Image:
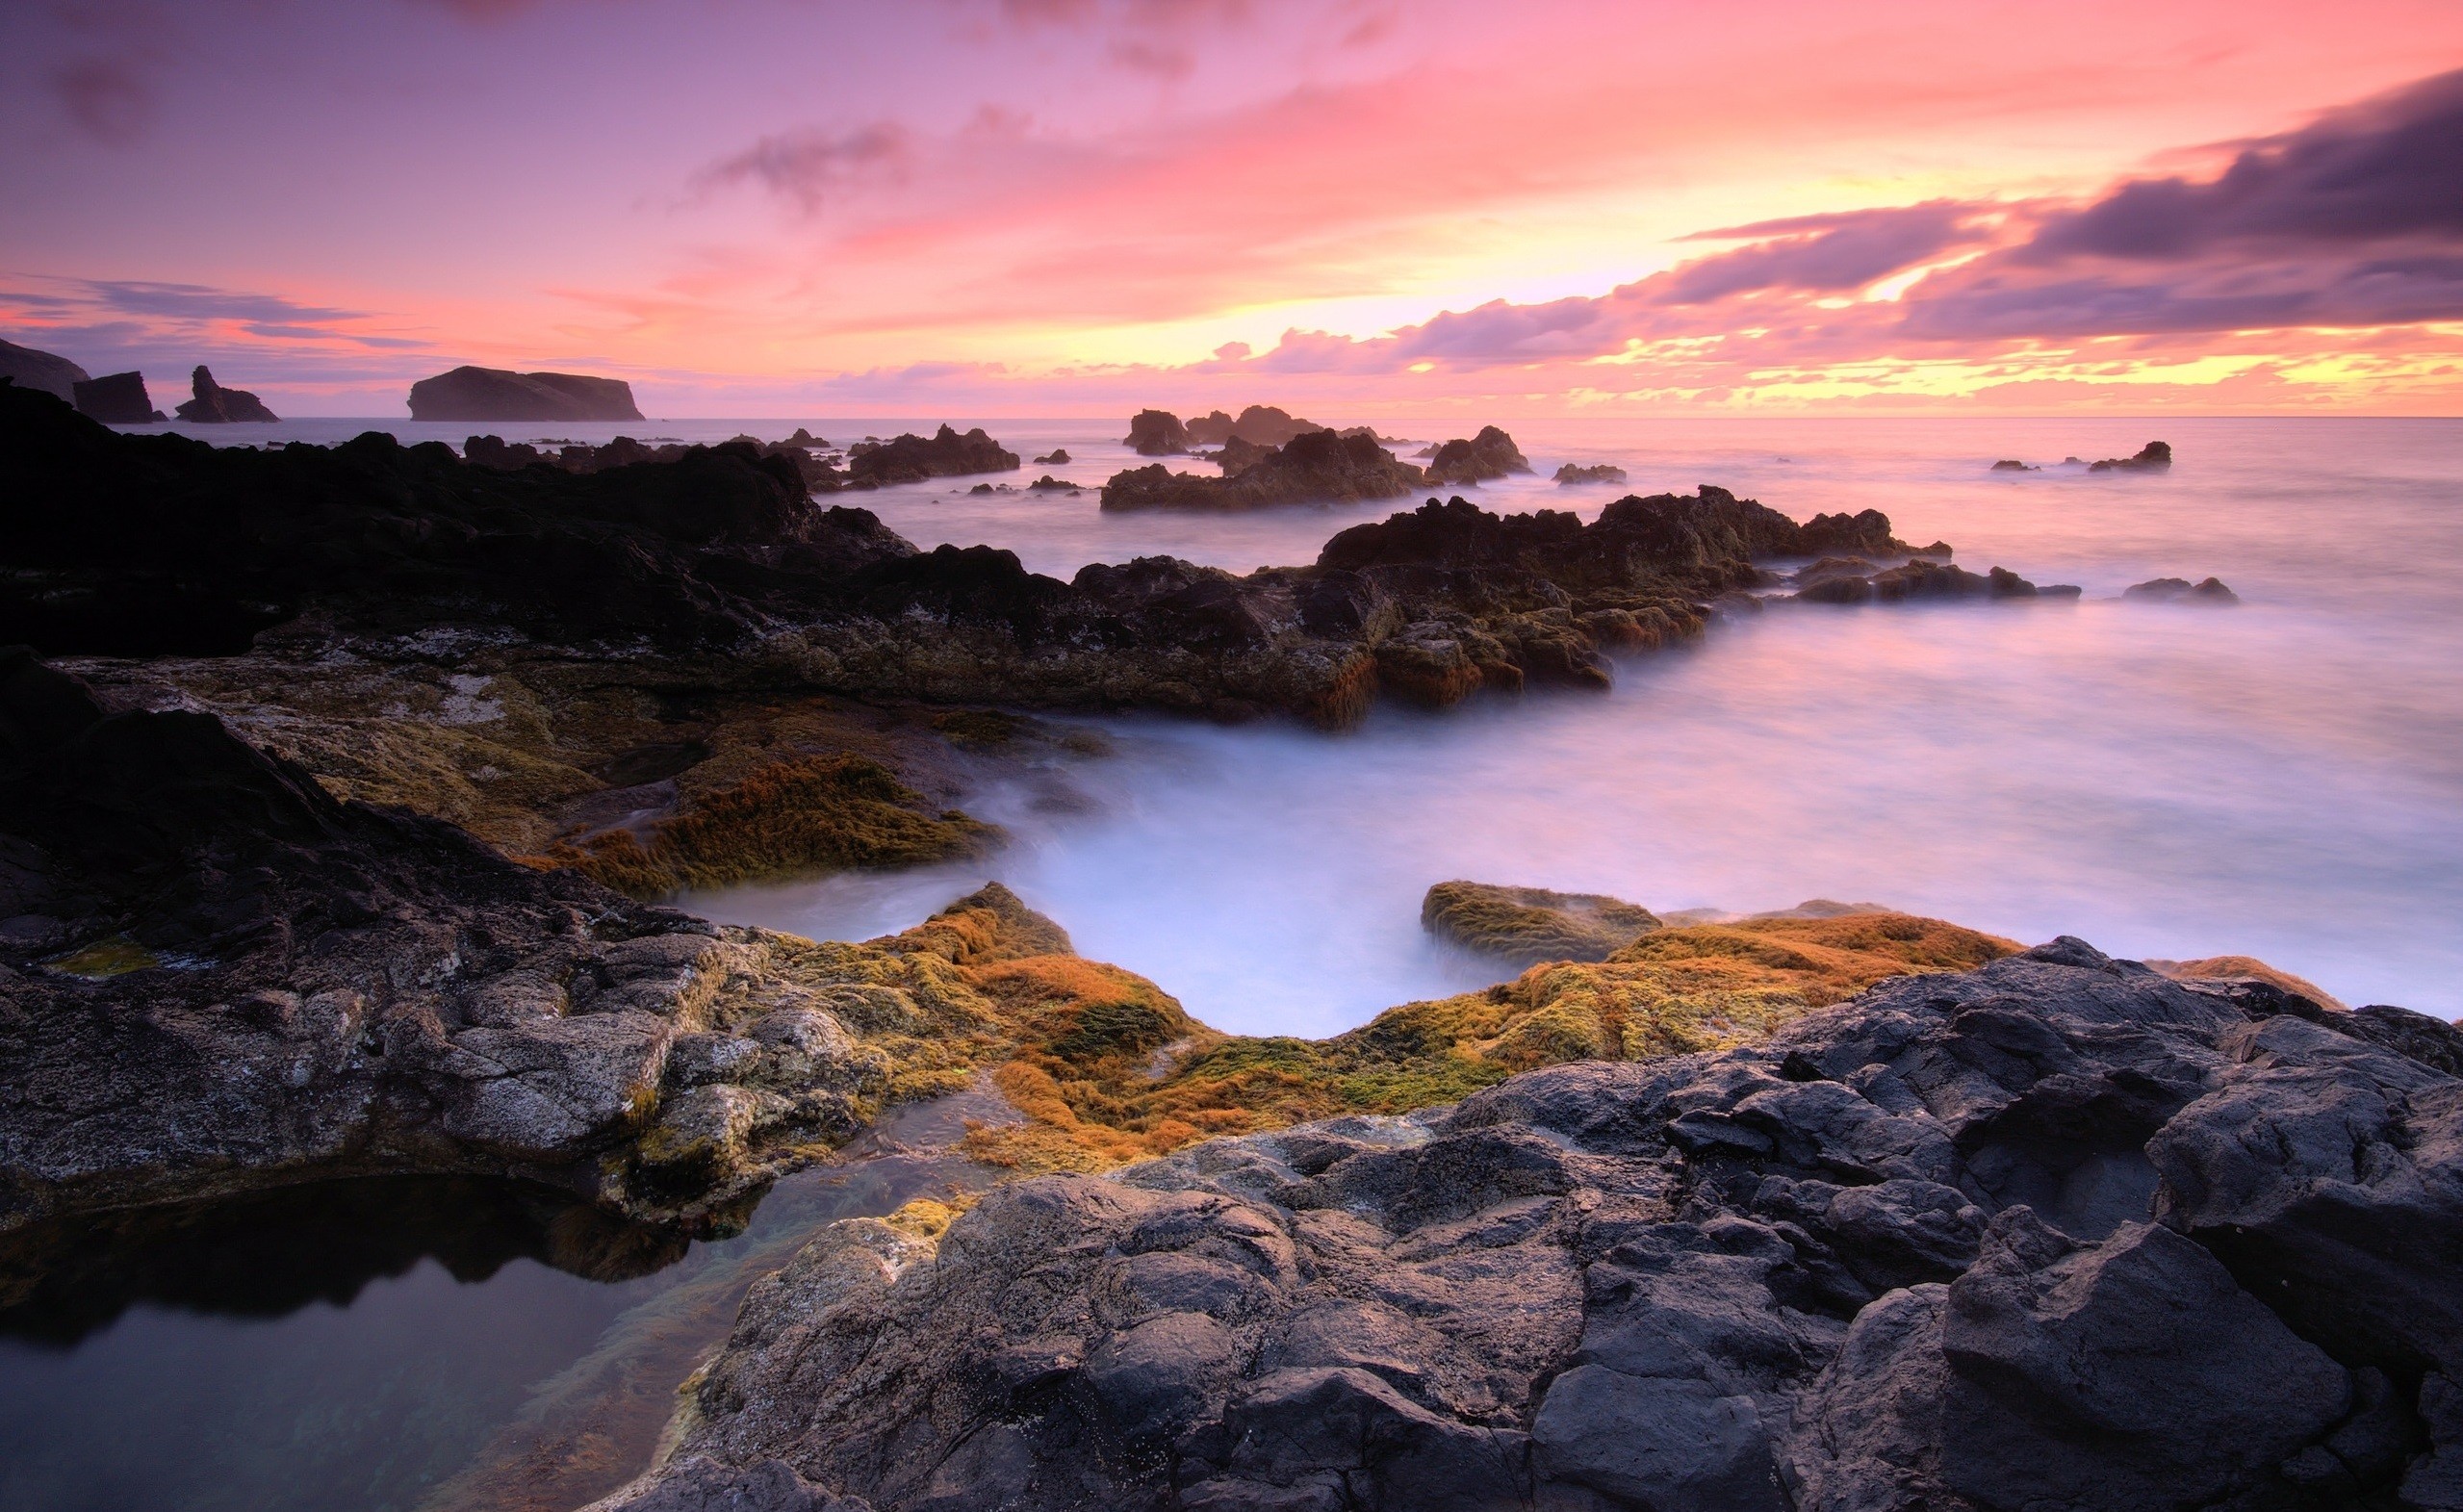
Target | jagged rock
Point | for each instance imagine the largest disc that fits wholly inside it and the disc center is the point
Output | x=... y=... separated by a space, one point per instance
x=216 y=405
x=1048 y=484
x=1603 y=472
x=2179 y=590
x=1315 y=467
x=1259 y=425
x=115 y=399
x=496 y=453
x=1525 y=925
x=1157 y=433
x=29 y=369
x=913 y=458
x=1238 y=456
x=469 y=393
x=806 y=438
x=2013 y=465
x=1058 y=457
x=1490 y=454
x=2153 y=457
x=1843 y=581
x=2059 y=1231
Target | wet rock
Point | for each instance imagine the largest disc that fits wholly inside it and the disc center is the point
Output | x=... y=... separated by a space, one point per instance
x=2179 y=590
x=2153 y=457
x=29 y=369
x=216 y=405
x=1603 y=472
x=913 y=458
x=1315 y=467
x=1524 y=926
x=115 y=399
x=469 y=393
x=1490 y=454
x=1860 y=1267
x=2013 y=465
x=1841 y=581
x=1157 y=433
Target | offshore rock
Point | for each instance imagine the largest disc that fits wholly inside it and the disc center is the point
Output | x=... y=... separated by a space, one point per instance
x=1156 y=433
x=913 y=458
x=216 y=405
x=29 y=369
x=2059 y=1232
x=494 y=453
x=1851 y=580
x=1605 y=473
x=2179 y=590
x=115 y=399
x=1525 y=925
x=1259 y=425
x=2153 y=457
x=1315 y=467
x=1491 y=455
x=469 y=393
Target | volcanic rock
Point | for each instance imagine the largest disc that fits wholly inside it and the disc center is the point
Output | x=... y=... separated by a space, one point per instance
x=2059 y=1232
x=1259 y=425
x=216 y=405
x=913 y=458
x=493 y=393
x=1525 y=925
x=1603 y=472
x=1490 y=454
x=29 y=369
x=1157 y=433
x=115 y=399
x=2152 y=457
x=2179 y=590
x=1315 y=467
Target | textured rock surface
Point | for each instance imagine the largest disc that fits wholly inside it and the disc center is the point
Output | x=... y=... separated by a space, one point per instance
x=115 y=399
x=469 y=393
x=1491 y=455
x=216 y=405
x=2059 y=1231
x=913 y=458
x=29 y=369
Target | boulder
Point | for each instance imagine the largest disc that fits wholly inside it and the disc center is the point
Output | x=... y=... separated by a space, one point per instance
x=115 y=399
x=216 y=405
x=1058 y=457
x=1603 y=472
x=1157 y=433
x=469 y=393
x=29 y=369
x=1490 y=454
x=2180 y=590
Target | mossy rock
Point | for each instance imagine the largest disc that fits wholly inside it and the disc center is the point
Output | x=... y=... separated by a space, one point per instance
x=1525 y=925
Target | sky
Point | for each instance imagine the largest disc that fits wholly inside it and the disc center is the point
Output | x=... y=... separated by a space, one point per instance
x=1353 y=208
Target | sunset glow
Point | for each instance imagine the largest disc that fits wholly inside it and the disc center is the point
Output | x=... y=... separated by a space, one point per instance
x=1083 y=206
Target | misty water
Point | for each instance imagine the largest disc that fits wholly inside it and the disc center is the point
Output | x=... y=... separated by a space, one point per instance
x=2282 y=778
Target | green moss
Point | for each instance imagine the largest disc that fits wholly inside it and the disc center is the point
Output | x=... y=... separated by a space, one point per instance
x=1525 y=925
x=116 y=956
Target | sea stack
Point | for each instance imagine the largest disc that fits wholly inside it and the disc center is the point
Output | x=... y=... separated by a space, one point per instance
x=216 y=405
x=29 y=369
x=494 y=393
x=115 y=399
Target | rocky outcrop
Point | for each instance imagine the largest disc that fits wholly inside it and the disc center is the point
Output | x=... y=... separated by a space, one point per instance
x=1525 y=925
x=1603 y=472
x=820 y=476
x=1157 y=433
x=2153 y=457
x=2056 y=1232
x=493 y=393
x=913 y=458
x=1317 y=467
x=29 y=369
x=1855 y=580
x=216 y=405
x=1491 y=455
x=1059 y=457
x=1259 y=425
x=117 y=398
x=2180 y=590
x=2013 y=465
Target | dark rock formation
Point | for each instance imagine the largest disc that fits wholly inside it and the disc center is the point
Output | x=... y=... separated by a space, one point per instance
x=913 y=458
x=1058 y=457
x=2057 y=1233
x=1315 y=467
x=1490 y=454
x=2179 y=590
x=1525 y=925
x=496 y=453
x=29 y=369
x=1663 y=530
x=1853 y=580
x=117 y=398
x=2013 y=465
x=1603 y=472
x=216 y=405
x=1238 y=456
x=1157 y=433
x=806 y=438
x=1259 y=425
x=494 y=393
x=2153 y=457
x=216 y=978
x=1048 y=484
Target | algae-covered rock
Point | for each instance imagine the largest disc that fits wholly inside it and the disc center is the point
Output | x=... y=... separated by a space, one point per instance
x=1525 y=925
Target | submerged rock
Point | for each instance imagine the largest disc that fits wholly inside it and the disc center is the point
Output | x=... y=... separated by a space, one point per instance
x=1156 y=433
x=1525 y=925
x=1316 y=467
x=115 y=399
x=29 y=369
x=2179 y=590
x=1603 y=473
x=469 y=393
x=911 y=458
x=2153 y=457
x=216 y=405
x=1490 y=454
x=2057 y=1232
